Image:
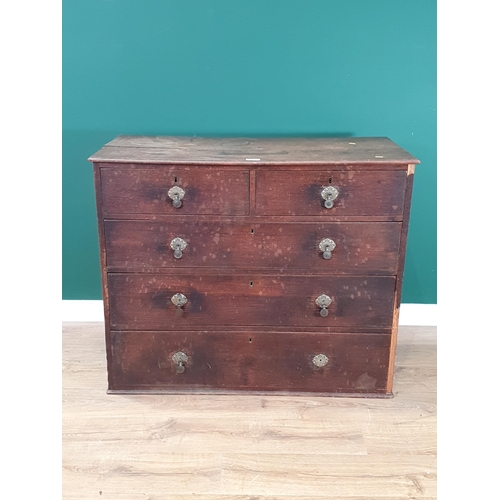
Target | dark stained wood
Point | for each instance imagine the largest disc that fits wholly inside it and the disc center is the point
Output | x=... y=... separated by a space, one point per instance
x=102 y=262
x=270 y=151
x=208 y=191
x=404 y=233
x=362 y=247
x=142 y=301
x=399 y=278
x=189 y=218
x=252 y=217
x=362 y=193
x=251 y=361
x=252 y=192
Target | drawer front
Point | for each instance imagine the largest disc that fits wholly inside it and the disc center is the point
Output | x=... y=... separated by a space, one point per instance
x=252 y=361
x=146 y=190
x=358 y=247
x=143 y=301
x=364 y=193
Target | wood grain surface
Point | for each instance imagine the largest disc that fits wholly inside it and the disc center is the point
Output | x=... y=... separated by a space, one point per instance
x=361 y=248
x=400 y=271
x=252 y=217
x=250 y=361
x=143 y=301
x=361 y=193
x=145 y=191
x=274 y=151
x=244 y=447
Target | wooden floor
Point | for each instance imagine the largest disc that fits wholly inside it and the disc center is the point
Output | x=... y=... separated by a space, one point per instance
x=247 y=447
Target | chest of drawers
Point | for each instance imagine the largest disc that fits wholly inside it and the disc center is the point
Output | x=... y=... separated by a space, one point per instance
x=258 y=265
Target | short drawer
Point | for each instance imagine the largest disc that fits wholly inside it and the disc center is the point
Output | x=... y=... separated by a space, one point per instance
x=362 y=193
x=144 y=301
x=357 y=248
x=202 y=190
x=351 y=363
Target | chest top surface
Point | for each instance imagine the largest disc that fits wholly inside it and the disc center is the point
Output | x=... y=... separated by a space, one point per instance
x=366 y=151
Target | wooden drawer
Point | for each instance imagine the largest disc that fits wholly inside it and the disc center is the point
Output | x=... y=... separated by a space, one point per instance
x=143 y=301
x=357 y=363
x=127 y=190
x=363 y=193
x=361 y=248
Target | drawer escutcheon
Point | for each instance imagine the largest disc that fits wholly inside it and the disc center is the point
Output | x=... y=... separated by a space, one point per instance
x=176 y=194
x=178 y=245
x=180 y=359
x=323 y=301
x=329 y=194
x=320 y=360
x=179 y=300
x=327 y=246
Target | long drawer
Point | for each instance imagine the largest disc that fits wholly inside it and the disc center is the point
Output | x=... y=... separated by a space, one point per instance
x=354 y=363
x=357 y=248
x=144 y=301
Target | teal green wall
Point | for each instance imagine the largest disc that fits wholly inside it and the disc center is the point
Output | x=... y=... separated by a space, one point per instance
x=259 y=67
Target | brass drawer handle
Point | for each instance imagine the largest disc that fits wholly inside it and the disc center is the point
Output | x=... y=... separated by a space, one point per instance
x=178 y=245
x=180 y=359
x=323 y=301
x=320 y=360
x=326 y=246
x=179 y=300
x=176 y=194
x=329 y=194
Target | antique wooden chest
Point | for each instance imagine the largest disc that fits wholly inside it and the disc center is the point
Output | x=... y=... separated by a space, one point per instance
x=258 y=265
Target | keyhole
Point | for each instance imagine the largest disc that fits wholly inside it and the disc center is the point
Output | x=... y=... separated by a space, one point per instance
x=330 y=180
x=250 y=340
x=251 y=283
x=175 y=179
x=251 y=231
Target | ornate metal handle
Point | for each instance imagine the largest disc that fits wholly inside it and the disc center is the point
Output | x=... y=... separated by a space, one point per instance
x=323 y=301
x=326 y=246
x=178 y=245
x=176 y=194
x=179 y=300
x=329 y=194
x=180 y=359
x=320 y=360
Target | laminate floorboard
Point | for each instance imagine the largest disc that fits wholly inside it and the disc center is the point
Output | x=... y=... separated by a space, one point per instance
x=242 y=447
